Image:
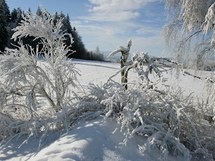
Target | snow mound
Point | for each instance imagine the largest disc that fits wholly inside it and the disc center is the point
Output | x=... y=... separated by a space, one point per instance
x=95 y=140
x=91 y=141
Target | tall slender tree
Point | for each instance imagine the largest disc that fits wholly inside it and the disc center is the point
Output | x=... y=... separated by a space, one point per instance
x=4 y=19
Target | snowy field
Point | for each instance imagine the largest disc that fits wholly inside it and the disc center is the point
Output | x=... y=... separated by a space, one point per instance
x=93 y=139
x=99 y=72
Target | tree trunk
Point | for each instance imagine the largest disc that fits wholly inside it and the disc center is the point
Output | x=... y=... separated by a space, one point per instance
x=124 y=72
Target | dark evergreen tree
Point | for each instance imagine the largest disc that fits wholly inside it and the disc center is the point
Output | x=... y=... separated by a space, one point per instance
x=16 y=17
x=39 y=11
x=4 y=19
x=14 y=14
x=3 y=38
x=68 y=24
x=78 y=46
x=4 y=10
x=68 y=28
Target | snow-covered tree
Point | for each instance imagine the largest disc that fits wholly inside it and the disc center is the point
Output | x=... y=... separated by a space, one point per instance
x=123 y=60
x=97 y=51
x=142 y=63
x=191 y=27
x=33 y=90
x=54 y=51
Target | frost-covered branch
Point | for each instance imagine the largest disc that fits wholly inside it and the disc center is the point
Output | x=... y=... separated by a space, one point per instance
x=190 y=23
x=143 y=66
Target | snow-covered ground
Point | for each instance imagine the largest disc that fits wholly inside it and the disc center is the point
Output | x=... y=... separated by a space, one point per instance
x=94 y=140
x=99 y=72
x=90 y=141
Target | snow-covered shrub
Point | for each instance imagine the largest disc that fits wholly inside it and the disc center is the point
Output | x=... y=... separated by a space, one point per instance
x=145 y=66
x=170 y=122
x=172 y=125
x=34 y=94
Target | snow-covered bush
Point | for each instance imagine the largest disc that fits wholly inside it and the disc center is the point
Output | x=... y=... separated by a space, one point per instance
x=34 y=94
x=171 y=123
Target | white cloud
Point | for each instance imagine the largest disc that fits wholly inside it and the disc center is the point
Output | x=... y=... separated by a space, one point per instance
x=110 y=24
x=115 y=10
x=107 y=37
x=143 y=30
x=152 y=45
x=112 y=16
x=117 y=5
x=104 y=36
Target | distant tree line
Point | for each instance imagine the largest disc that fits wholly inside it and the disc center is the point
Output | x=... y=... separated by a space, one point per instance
x=10 y=20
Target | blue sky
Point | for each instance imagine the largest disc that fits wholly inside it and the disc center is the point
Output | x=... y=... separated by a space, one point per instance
x=110 y=23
